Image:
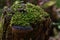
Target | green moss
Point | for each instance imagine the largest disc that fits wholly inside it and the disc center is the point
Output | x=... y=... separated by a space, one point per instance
x=32 y=14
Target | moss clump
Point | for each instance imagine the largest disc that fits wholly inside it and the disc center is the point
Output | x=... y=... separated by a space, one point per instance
x=32 y=14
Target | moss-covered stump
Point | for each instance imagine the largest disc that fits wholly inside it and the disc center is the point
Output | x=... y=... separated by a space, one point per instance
x=26 y=15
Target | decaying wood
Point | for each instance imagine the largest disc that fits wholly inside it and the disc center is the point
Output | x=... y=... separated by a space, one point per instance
x=20 y=34
x=42 y=32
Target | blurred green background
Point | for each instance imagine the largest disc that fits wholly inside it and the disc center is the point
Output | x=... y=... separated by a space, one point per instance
x=58 y=3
